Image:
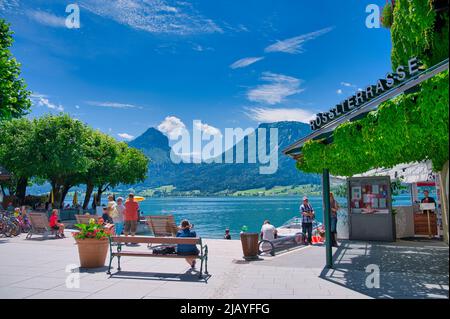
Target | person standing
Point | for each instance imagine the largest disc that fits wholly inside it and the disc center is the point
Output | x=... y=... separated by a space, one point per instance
x=118 y=220
x=112 y=209
x=307 y=213
x=227 y=234
x=130 y=216
x=334 y=206
x=268 y=231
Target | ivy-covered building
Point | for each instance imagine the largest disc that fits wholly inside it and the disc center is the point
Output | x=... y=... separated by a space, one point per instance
x=388 y=129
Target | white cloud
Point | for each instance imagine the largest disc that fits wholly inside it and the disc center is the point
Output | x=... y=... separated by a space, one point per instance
x=47 y=18
x=125 y=136
x=8 y=4
x=242 y=63
x=154 y=16
x=295 y=45
x=172 y=126
x=269 y=115
x=115 y=105
x=346 y=84
x=201 y=48
x=77 y=107
x=207 y=129
x=339 y=91
x=280 y=86
x=42 y=100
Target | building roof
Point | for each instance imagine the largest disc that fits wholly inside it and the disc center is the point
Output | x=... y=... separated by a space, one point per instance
x=326 y=132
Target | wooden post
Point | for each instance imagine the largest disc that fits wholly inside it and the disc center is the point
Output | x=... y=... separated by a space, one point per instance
x=327 y=216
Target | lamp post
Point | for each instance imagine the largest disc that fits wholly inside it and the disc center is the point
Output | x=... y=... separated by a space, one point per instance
x=327 y=216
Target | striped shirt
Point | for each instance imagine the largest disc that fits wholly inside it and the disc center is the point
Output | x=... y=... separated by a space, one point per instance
x=306 y=208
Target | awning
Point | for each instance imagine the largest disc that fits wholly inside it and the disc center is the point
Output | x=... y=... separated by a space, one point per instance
x=407 y=173
x=326 y=132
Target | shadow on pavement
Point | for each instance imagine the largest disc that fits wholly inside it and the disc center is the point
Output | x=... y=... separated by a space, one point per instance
x=188 y=276
x=407 y=270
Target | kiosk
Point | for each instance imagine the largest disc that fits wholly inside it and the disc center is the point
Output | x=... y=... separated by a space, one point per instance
x=370 y=209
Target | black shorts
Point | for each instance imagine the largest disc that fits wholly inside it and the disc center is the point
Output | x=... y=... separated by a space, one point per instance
x=188 y=253
x=56 y=227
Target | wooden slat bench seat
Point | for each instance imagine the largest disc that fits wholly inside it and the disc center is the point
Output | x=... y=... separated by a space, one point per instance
x=162 y=225
x=84 y=219
x=39 y=225
x=119 y=241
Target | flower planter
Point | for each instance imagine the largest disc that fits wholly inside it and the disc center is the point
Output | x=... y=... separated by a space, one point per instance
x=92 y=252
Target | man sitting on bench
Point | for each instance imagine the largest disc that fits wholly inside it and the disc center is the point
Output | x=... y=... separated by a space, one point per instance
x=190 y=251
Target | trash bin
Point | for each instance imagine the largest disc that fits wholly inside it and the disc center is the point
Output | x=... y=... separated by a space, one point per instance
x=249 y=243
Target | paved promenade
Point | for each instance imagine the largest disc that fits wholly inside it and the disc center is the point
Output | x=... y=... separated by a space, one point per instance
x=38 y=269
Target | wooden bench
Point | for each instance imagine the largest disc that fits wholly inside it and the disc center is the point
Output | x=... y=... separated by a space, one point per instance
x=162 y=225
x=39 y=225
x=119 y=241
x=84 y=219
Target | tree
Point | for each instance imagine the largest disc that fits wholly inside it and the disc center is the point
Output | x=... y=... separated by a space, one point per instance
x=60 y=152
x=129 y=167
x=16 y=153
x=101 y=152
x=14 y=98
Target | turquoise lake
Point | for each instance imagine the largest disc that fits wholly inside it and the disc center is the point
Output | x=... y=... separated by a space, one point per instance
x=212 y=215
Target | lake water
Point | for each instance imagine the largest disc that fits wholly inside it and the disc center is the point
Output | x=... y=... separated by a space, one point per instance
x=212 y=215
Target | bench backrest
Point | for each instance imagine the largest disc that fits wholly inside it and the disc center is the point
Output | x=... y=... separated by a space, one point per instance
x=38 y=221
x=157 y=240
x=84 y=219
x=162 y=226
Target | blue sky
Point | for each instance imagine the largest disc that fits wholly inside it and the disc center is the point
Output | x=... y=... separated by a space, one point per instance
x=135 y=64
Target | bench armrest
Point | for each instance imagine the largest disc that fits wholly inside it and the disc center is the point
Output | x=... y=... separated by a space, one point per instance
x=205 y=250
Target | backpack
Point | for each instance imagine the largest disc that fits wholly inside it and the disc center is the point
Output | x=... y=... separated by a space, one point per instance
x=164 y=250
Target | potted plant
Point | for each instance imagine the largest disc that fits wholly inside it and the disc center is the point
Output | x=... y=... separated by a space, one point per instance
x=92 y=241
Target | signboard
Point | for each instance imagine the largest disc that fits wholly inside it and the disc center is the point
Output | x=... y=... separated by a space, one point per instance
x=427 y=206
x=361 y=97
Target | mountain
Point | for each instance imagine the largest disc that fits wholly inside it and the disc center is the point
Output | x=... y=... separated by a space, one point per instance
x=215 y=177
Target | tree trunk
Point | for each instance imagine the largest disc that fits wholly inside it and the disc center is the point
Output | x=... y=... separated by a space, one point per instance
x=57 y=189
x=99 y=195
x=87 y=197
x=65 y=189
x=21 y=189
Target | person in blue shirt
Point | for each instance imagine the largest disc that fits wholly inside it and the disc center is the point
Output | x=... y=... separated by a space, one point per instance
x=190 y=251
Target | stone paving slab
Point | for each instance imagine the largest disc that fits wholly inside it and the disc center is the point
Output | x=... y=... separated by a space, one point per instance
x=39 y=269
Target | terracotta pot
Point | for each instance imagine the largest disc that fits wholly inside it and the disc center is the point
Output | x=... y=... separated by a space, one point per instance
x=92 y=252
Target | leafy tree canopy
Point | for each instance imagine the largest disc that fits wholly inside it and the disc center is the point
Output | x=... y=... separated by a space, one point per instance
x=14 y=98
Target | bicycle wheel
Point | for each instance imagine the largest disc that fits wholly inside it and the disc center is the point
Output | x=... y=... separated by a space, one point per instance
x=7 y=231
x=265 y=247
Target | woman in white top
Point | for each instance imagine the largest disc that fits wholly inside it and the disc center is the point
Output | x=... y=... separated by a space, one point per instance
x=114 y=214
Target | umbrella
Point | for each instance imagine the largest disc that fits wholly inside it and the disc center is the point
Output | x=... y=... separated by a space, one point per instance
x=75 y=199
x=138 y=198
